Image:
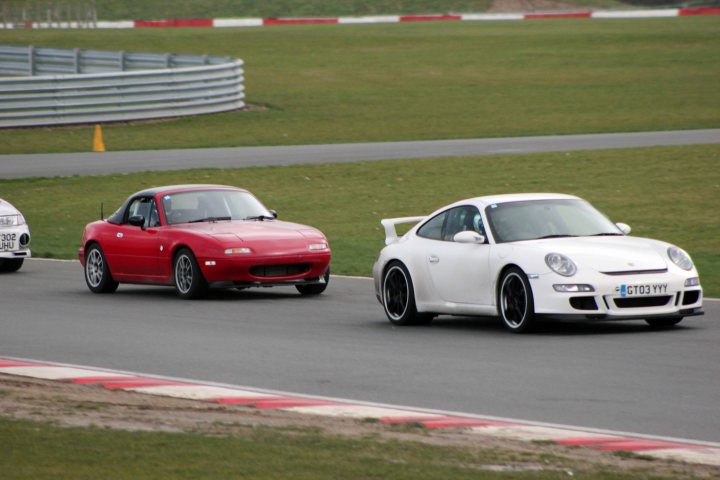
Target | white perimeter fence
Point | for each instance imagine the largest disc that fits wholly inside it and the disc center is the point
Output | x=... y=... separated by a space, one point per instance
x=55 y=86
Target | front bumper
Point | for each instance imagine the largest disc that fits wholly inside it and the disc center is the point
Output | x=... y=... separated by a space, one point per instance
x=663 y=295
x=251 y=270
x=10 y=242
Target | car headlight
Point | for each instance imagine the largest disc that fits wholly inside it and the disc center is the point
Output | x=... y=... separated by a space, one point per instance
x=560 y=264
x=680 y=258
x=11 y=220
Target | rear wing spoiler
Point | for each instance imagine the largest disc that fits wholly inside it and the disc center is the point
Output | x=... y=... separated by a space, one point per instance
x=390 y=223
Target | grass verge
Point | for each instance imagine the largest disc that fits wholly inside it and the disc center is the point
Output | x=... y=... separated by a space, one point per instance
x=357 y=83
x=668 y=193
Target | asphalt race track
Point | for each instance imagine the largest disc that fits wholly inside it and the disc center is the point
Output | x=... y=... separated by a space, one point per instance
x=620 y=376
x=67 y=164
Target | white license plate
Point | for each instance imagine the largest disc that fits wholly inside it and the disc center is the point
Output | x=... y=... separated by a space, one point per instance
x=642 y=289
x=8 y=242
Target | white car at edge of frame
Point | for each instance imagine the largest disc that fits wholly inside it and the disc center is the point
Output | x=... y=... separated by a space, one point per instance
x=14 y=238
x=521 y=257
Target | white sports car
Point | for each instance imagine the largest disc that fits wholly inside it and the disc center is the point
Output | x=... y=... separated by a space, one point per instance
x=526 y=256
x=14 y=238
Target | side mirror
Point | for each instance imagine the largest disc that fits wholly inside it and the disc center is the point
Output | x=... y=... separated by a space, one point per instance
x=624 y=228
x=469 y=237
x=273 y=213
x=137 y=221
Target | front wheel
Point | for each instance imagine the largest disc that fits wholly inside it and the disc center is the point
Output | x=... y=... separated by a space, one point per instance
x=663 y=322
x=11 y=264
x=97 y=272
x=515 y=301
x=189 y=280
x=315 y=288
x=398 y=297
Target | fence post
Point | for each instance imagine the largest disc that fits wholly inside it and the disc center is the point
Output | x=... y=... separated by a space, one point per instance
x=77 y=60
x=31 y=61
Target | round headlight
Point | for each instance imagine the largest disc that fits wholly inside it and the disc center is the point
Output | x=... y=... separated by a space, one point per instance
x=560 y=264
x=680 y=258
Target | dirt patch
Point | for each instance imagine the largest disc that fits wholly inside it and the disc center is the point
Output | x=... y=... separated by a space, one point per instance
x=68 y=404
x=520 y=6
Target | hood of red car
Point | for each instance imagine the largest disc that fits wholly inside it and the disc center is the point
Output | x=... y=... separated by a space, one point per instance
x=252 y=230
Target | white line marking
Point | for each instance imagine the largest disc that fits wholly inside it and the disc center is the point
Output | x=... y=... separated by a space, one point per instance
x=533 y=433
x=199 y=392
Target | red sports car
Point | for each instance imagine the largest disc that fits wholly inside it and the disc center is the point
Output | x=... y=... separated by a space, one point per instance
x=196 y=236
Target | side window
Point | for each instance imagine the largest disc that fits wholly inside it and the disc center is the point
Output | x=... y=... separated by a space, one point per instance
x=145 y=207
x=154 y=219
x=433 y=227
x=462 y=219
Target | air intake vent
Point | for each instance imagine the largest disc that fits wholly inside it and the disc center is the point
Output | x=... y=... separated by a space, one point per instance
x=691 y=297
x=642 y=302
x=289 y=270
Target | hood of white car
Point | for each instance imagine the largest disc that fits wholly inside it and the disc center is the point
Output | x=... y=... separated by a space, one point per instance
x=7 y=209
x=608 y=254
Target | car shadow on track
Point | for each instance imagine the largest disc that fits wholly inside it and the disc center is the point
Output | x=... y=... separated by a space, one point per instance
x=556 y=328
x=213 y=295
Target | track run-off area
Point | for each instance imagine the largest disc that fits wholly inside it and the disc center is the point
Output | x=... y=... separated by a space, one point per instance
x=619 y=376
x=68 y=164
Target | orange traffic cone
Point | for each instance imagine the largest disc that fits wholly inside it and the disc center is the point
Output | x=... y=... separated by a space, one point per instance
x=98 y=145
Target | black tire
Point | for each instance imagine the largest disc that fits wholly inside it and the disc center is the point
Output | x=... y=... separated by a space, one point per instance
x=11 y=264
x=189 y=280
x=666 y=322
x=317 y=288
x=398 y=297
x=97 y=272
x=516 y=305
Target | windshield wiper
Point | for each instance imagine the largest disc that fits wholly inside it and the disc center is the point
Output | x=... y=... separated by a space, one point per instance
x=556 y=235
x=259 y=217
x=210 y=219
x=606 y=234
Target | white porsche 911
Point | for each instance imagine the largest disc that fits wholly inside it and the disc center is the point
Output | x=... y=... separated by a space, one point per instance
x=525 y=256
x=14 y=238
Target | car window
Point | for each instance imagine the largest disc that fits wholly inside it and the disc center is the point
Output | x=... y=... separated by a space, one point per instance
x=433 y=227
x=145 y=207
x=462 y=219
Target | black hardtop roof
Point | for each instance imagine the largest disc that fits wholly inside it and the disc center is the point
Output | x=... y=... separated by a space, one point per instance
x=178 y=188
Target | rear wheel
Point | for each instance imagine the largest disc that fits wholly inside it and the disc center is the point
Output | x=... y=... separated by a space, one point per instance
x=316 y=288
x=398 y=296
x=663 y=322
x=515 y=301
x=97 y=272
x=11 y=264
x=189 y=280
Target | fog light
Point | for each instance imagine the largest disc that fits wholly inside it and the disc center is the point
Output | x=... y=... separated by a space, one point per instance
x=573 y=287
x=315 y=247
x=692 y=282
x=238 y=251
x=24 y=240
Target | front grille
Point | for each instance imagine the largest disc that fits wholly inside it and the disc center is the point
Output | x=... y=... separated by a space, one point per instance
x=642 y=302
x=583 y=303
x=288 y=270
x=691 y=297
x=635 y=272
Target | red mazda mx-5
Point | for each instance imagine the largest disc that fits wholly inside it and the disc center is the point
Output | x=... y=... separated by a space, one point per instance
x=196 y=236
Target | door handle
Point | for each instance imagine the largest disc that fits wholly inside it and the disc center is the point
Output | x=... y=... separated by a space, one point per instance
x=433 y=259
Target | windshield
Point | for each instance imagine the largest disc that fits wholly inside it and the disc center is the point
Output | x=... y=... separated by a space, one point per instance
x=212 y=205
x=534 y=219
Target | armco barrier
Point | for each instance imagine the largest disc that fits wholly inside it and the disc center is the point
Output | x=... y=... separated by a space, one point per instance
x=65 y=86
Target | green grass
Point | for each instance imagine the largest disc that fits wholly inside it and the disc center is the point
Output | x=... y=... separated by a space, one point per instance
x=666 y=193
x=334 y=84
x=40 y=451
x=160 y=9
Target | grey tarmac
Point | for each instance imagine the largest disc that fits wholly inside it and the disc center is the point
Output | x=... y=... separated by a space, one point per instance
x=68 y=164
x=614 y=375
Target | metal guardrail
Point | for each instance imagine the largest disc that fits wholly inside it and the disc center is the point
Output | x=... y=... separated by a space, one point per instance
x=66 y=86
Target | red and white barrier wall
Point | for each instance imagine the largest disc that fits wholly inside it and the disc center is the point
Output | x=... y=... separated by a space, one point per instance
x=676 y=449
x=259 y=22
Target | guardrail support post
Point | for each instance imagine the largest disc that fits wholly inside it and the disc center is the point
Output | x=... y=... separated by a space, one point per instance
x=76 y=60
x=121 y=61
x=31 y=61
